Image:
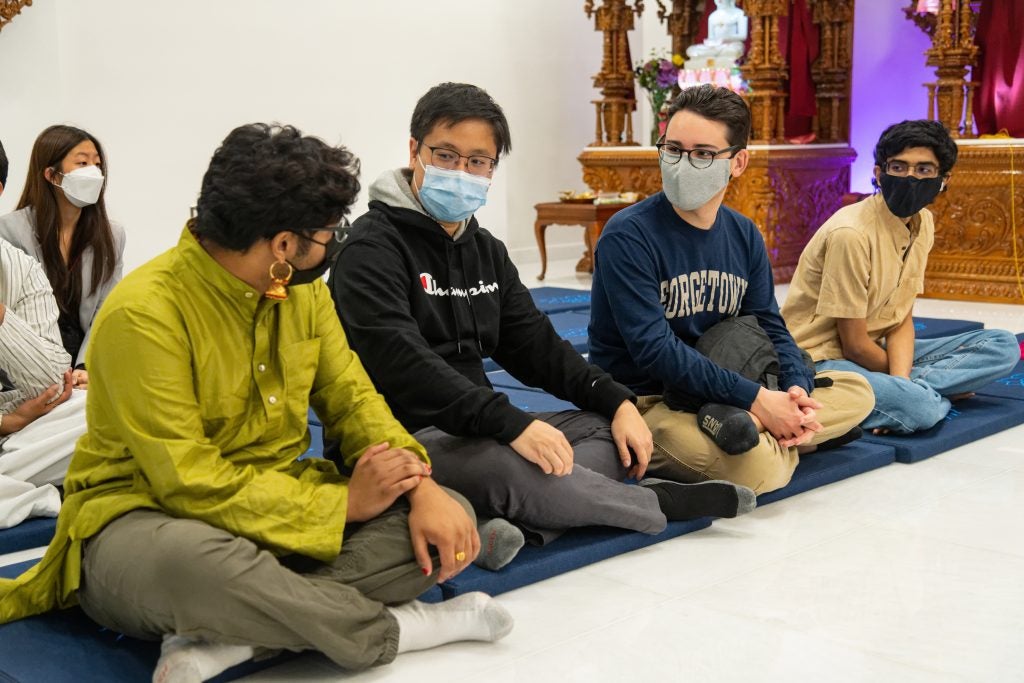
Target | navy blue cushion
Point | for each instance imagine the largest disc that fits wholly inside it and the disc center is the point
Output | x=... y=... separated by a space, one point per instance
x=1011 y=386
x=314 y=419
x=536 y=401
x=32 y=533
x=558 y=299
x=577 y=548
x=316 y=443
x=967 y=421
x=931 y=328
x=572 y=327
x=819 y=469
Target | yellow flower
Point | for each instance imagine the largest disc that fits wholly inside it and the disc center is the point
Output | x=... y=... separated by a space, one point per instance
x=677 y=60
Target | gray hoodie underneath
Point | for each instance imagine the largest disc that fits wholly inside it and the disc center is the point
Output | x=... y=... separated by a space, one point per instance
x=394 y=188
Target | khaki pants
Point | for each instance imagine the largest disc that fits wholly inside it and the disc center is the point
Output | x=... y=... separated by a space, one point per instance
x=683 y=452
x=147 y=574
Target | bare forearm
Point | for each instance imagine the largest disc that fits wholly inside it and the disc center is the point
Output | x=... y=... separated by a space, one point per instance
x=899 y=346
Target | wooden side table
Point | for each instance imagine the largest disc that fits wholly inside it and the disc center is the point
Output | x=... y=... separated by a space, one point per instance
x=590 y=216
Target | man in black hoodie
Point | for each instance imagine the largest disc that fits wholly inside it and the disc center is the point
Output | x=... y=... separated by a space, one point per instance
x=425 y=294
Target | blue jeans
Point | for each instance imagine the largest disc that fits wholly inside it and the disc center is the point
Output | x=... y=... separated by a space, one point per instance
x=942 y=367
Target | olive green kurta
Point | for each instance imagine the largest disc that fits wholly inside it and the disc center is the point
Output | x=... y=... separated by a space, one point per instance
x=198 y=397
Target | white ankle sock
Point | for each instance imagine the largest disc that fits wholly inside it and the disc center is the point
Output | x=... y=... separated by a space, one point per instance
x=184 y=660
x=474 y=616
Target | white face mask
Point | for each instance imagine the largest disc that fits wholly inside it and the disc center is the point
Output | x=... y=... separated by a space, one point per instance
x=82 y=186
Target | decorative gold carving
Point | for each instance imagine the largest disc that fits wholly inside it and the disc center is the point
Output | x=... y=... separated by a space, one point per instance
x=831 y=71
x=10 y=9
x=614 y=110
x=682 y=21
x=765 y=70
x=787 y=192
x=973 y=253
x=952 y=52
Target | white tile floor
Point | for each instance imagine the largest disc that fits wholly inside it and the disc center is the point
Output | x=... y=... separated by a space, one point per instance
x=908 y=573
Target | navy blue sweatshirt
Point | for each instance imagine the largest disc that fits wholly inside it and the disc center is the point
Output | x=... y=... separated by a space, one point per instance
x=423 y=309
x=660 y=283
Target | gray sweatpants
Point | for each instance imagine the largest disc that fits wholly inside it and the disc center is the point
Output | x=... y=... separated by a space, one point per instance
x=147 y=574
x=501 y=483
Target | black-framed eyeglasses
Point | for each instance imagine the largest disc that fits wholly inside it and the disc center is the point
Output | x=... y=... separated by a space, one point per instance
x=340 y=232
x=448 y=159
x=671 y=153
x=899 y=168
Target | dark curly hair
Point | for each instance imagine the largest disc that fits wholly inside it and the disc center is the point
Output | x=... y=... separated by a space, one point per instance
x=451 y=103
x=267 y=178
x=920 y=133
x=717 y=104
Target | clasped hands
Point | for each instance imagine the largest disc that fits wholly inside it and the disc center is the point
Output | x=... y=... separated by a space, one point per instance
x=790 y=416
x=381 y=475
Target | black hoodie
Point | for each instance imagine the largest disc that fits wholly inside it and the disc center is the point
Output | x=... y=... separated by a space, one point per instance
x=423 y=310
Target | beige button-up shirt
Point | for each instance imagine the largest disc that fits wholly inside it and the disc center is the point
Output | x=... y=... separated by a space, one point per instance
x=864 y=262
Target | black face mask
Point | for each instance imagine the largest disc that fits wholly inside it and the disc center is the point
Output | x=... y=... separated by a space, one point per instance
x=308 y=276
x=906 y=195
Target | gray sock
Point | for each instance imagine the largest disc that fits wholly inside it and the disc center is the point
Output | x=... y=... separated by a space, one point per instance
x=500 y=542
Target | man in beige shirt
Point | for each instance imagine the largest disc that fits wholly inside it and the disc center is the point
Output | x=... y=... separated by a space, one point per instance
x=852 y=296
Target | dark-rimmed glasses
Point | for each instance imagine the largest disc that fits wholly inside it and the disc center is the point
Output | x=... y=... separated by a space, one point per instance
x=448 y=159
x=671 y=153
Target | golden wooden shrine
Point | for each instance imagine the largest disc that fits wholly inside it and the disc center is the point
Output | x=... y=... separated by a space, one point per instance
x=789 y=190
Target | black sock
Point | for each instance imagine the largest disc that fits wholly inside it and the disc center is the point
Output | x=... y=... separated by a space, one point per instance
x=846 y=438
x=731 y=428
x=680 y=502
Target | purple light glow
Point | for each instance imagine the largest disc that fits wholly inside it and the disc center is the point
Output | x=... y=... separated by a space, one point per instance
x=889 y=73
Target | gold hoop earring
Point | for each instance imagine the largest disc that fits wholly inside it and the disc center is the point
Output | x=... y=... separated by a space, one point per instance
x=278 y=282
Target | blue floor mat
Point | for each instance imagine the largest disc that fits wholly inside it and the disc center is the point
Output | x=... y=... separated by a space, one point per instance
x=572 y=326
x=535 y=401
x=967 y=421
x=575 y=549
x=1011 y=386
x=559 y=299
x=931 y=328
x=819 y=469
x=69 y=646
x=32 y=533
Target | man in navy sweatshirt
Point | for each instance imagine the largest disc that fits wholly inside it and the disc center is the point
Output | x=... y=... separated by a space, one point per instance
x=425 y=294
x=678 y=263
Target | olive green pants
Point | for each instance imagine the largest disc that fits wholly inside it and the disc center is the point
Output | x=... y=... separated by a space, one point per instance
x=148 y=574
x=683 y=452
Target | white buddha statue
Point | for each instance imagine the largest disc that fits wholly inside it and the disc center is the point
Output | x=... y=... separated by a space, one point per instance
x=727 y=33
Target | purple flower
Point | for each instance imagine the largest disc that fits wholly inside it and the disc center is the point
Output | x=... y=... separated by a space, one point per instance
x=667 y=74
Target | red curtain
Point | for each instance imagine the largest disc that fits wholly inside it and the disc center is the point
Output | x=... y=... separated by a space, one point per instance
x=799 y=44
x=999 y=95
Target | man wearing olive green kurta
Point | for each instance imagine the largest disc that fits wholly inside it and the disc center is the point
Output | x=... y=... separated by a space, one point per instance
x=188 y=515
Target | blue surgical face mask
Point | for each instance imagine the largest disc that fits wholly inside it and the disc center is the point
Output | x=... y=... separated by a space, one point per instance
x=451 y=196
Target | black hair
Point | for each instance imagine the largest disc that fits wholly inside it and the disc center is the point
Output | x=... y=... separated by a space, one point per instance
x=919 y=133
x=451 y=103
x=4 y=165
x=267 y=178
x=717 y=104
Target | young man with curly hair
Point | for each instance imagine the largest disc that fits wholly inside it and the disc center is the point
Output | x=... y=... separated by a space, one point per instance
x=852 y=297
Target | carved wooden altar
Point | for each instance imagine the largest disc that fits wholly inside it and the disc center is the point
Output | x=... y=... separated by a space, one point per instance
x=973 y=257
x=788 y=190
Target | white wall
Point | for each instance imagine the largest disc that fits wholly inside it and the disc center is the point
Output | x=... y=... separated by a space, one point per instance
x=161 y=83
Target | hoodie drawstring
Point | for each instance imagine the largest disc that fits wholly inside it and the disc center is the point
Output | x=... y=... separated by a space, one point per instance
x=451 y=299
x=469 y=298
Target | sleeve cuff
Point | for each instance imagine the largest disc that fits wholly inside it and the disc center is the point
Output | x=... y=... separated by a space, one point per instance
x=744 y=393
x=607 y=395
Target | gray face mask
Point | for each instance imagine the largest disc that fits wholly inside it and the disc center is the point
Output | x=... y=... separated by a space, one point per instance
x=690 y=188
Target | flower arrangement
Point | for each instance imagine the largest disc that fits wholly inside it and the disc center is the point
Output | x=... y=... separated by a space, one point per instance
x=659 y=75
